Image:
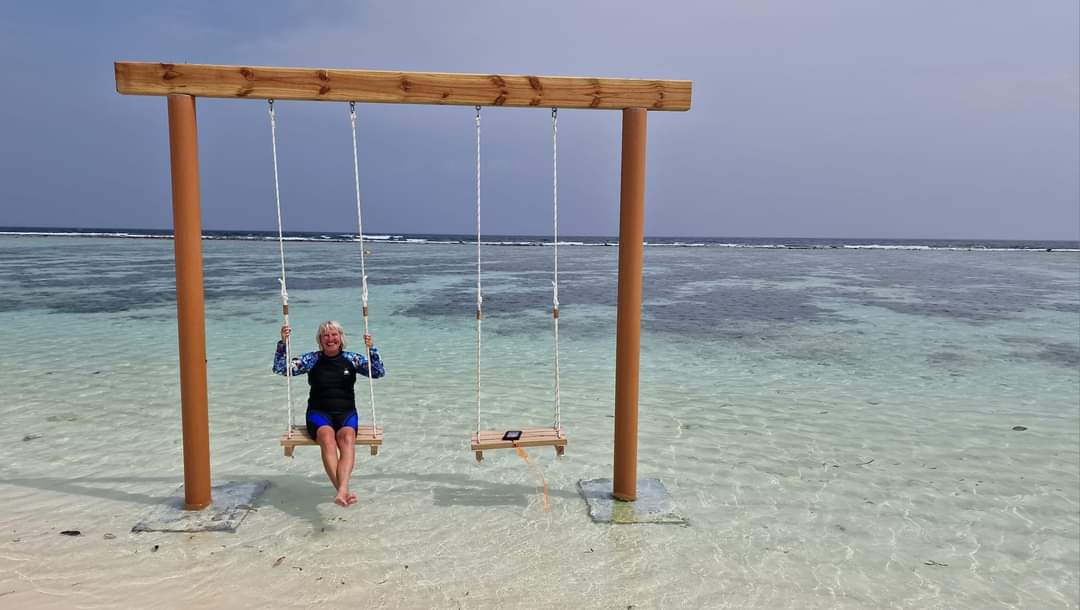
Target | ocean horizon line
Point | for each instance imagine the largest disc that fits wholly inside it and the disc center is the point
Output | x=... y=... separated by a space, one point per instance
x=513 y=239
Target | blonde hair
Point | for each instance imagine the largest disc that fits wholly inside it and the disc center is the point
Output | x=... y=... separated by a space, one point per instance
x=328 y=326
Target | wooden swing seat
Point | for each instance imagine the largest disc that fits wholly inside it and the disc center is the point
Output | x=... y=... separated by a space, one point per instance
x=298 y=435
x=530 y=437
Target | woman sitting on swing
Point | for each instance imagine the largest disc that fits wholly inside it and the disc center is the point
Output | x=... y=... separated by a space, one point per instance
x=331 y=410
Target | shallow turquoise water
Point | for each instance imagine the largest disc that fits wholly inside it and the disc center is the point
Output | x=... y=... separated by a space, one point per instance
x=836 y=425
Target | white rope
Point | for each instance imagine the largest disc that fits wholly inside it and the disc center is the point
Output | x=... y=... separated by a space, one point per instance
x=555 y=282
x=363 y=264
x=479 y=294
x=281 y=280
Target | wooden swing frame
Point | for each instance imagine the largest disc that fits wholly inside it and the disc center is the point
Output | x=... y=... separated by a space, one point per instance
x=182 y=83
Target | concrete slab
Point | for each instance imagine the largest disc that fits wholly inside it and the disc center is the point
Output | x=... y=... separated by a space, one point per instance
x=231 y=502
x=653 y=505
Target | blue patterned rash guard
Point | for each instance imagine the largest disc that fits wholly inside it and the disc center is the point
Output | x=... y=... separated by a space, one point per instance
x=308 y=363
x=303 y=363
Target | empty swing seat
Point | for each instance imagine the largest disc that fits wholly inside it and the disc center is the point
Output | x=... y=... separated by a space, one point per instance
x=298 y=435
x=530 y=437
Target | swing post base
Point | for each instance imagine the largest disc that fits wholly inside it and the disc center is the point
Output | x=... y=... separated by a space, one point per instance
x=653 y=504
x=232 y=501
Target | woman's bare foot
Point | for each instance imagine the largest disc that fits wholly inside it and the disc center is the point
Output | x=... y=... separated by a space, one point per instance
x=352 y=499
x=342 y=498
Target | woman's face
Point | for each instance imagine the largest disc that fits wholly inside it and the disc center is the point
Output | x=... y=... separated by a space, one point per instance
x=330 y=342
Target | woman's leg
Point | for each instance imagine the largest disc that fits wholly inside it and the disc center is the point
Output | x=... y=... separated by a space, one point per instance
x=346 y=444
x=329 y=448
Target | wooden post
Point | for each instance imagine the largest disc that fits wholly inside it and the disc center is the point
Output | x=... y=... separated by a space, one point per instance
x=191 y=323
x=628 y=338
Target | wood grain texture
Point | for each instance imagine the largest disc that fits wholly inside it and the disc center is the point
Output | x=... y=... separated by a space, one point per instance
x=530 y=437
x=297 y=436
x=386 y=87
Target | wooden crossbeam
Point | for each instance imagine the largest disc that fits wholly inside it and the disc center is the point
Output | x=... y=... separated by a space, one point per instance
x=386 y=87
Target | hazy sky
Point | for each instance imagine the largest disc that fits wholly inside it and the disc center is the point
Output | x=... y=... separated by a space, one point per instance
x=850 y=118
